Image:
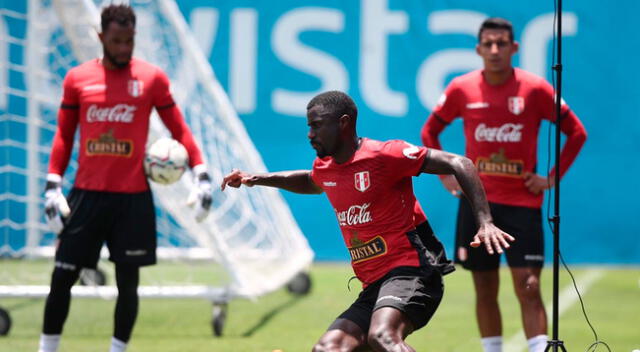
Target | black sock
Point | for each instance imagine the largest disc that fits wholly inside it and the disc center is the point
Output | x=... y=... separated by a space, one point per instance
x=127 y=279
x=56 y=307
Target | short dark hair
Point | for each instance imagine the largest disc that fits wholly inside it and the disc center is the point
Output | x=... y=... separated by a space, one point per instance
x=121 y=14
x=496 y=23
x=336 y=102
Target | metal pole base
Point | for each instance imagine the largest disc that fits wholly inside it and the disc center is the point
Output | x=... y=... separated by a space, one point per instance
x=555 y=345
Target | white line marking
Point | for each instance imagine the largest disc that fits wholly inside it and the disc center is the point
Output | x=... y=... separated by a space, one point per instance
x=568 y=297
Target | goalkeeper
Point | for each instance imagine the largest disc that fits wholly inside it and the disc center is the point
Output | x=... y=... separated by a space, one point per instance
x=111 y=100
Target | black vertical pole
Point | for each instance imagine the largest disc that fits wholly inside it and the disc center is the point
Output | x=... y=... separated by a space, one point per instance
x=555 y=343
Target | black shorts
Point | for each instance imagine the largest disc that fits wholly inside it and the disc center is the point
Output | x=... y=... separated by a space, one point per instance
x=525 y=224
x=416 y=292
x=125 y=221
x=436 y=254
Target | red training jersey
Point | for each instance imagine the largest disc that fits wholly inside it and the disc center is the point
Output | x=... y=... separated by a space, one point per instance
x=418 y=214
x=501 y=124
x=112 y=109
x=372 y=196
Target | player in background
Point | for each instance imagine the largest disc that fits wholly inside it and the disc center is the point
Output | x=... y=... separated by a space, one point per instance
x=369 y=185
x=502 y=108
x=110 y=100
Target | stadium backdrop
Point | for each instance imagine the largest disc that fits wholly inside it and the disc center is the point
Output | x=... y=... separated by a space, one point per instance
x=394 y=58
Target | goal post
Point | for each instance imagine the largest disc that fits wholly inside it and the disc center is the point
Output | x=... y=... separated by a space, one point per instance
x=250 y=233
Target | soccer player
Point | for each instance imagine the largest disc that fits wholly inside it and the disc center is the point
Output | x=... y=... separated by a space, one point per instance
x=111 y=100
x=368 y=182
x=502 y=108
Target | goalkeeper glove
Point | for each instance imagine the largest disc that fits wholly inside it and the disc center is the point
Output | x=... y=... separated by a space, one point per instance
x=201 y=196
x=55 y=204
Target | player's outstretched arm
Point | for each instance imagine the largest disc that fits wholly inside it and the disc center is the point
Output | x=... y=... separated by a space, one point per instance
x=298 y=181
x=440 y=162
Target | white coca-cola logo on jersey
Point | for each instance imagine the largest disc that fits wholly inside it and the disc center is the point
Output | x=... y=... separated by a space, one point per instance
x=355 y=215
x=117 y=113
x=509 y=132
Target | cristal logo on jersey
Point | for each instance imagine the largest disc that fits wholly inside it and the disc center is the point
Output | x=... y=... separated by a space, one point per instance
x=509 y=132
x=361 y=251
x=107 y=144
x=362 y=181
x=498 y=164
x=355 y=215
x=118 y=113
x=134 y=87
x=516 y=105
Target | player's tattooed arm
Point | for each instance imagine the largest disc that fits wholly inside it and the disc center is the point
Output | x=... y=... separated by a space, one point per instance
x=297 y=181
x=441 y=162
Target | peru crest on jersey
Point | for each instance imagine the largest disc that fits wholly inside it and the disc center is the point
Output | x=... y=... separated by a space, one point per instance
x=516 y=105
x=134 y=87
x=362 y=181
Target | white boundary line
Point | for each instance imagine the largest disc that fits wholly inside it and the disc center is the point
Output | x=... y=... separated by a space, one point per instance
x=566 y=300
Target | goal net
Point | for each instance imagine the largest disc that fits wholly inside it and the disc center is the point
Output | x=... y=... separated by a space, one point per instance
x=251 y=235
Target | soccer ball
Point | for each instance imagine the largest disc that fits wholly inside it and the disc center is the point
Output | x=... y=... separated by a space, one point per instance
x=165 y=161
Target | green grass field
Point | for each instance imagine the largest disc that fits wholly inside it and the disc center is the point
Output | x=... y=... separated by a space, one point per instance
x=291 y=323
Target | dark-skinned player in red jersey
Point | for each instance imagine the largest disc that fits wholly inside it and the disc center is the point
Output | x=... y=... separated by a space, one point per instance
x=110 y=100
x=369 y=184
x=502 y=108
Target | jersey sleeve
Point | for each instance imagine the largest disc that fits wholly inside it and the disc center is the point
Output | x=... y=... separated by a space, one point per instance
x=403 y=159
x=162 y=97
x=570 y=125
x=430 y=132
x=314 y=173
x=174 y=120
x=445 y=112
x=448 y=107
x=68 y=116
x=545 y=100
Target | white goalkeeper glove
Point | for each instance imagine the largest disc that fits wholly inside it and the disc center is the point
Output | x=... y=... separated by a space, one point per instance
x=201 y=194
x=55 y=204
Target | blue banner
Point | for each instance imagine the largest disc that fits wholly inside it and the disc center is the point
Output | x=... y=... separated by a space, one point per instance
x=395 y=58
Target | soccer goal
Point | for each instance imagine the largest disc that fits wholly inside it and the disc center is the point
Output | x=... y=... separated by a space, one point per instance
x=250 y=238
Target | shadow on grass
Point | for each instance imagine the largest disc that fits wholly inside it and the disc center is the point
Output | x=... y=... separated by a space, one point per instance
x=272 y=313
